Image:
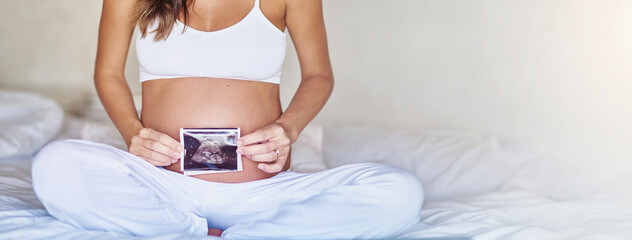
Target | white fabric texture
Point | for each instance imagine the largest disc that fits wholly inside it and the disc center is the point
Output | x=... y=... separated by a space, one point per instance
x=448 y=163
x=307 y=153
x=103 y=132
x=540 y=203
x=96 y=186
x=541 y=200
x=27 y=122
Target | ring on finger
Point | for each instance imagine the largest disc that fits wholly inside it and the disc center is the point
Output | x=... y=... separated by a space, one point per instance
x=277 y=154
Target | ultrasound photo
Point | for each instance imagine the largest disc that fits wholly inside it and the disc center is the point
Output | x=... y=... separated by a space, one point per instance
x=209 y=150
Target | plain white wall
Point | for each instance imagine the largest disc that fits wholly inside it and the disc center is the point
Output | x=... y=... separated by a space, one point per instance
x=50 y=46
x=553 y=73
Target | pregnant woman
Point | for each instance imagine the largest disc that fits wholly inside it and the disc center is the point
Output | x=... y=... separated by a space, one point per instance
x=216 y=64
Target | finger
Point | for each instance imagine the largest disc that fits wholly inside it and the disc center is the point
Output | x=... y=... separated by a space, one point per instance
x=255 y=137
x=138 y=151
x=277 y=166
x=141 y=152
x=159 y=147
x=152 y=162
x=266 y=157
x=256 y=149
x=161 y=137
x=155 y=156
x=272 y=167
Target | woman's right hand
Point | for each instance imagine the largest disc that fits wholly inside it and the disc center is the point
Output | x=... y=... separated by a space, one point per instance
x=155 y=147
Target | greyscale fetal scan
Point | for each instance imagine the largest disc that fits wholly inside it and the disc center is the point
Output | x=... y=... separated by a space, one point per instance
x=210 y=150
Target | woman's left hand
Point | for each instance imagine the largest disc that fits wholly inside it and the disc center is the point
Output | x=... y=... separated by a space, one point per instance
x=269 y=145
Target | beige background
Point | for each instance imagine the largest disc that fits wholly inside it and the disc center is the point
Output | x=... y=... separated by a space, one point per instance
x=552 y=73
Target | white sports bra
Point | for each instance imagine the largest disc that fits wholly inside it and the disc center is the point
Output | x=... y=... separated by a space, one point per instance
x=252 y=49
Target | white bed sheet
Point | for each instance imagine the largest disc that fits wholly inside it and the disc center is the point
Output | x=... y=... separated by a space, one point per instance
x=515 y=211
x=521 y=214
x=475 y=186
x=479 y=188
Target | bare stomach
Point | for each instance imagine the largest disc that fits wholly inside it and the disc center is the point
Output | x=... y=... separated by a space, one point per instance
x=171 y=104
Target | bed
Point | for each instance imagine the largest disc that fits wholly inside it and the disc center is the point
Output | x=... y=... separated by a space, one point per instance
x=476 y=186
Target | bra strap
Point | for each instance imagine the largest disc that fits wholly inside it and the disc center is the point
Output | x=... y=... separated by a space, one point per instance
x=257 y=3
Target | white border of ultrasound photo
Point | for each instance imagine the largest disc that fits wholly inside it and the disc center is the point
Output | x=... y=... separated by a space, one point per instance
x=224 y=145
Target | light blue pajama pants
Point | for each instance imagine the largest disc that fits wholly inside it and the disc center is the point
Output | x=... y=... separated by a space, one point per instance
x=99 y=187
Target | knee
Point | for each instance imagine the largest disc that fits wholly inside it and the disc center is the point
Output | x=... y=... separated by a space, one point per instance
x=401 y=183
x=56 y=157
x=403 y=197
x=410 y=190
x=58 y=174
x=49 y=157
x=52 y=165
x=50 y=170
x=64 y=156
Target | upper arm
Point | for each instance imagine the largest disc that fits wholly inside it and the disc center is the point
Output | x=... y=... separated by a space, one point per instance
x=304 y=19
x=115 y=33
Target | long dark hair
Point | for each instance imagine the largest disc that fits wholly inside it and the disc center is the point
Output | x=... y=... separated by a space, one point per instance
x=164 y=11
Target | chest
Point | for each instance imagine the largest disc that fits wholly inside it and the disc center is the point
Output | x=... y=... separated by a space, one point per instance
x=214 y=15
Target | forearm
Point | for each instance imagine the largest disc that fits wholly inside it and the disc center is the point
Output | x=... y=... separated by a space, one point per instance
x=118 y=102
x=311 y=96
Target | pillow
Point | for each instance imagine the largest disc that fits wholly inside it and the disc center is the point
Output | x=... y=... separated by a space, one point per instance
x=307 y=154
x=103 y=132
x=449 y=164
x=28 y=121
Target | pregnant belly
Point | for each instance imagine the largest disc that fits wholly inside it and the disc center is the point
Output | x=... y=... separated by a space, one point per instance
x=171 y=104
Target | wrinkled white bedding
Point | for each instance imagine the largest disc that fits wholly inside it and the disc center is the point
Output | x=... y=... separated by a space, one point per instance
x=27 y=121
x=480 y=189
x=475 y=187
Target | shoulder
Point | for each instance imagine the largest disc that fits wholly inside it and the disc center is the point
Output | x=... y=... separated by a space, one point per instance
x=122 y=10
x=278 y=6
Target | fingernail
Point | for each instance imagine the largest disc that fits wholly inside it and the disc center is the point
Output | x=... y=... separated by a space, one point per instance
x=176 y=154
x=179 y=148
x=260 y=166
x=239 y=151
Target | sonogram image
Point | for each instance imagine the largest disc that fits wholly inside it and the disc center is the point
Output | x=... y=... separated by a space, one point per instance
x=210 y=149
